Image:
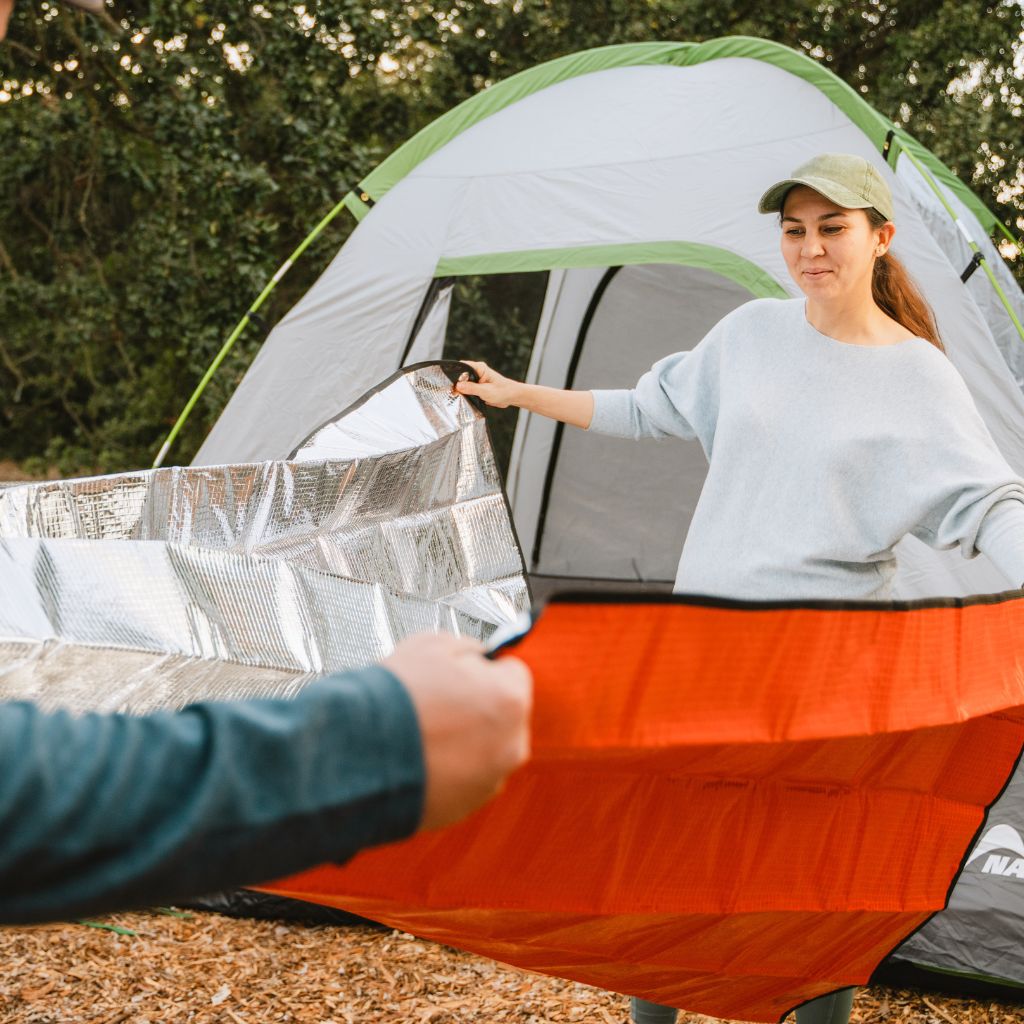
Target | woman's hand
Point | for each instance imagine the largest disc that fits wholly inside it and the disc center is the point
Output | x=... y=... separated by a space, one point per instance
x=575 y=407
x=496 y=390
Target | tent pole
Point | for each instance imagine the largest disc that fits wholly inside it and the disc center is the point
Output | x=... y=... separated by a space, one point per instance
x=240 y=326
x=975 y=248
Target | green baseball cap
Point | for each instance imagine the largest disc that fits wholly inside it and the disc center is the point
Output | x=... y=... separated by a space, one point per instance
x=849 y=181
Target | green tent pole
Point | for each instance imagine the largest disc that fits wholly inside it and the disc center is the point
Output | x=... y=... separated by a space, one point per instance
x=240 y=326
x=975 y=248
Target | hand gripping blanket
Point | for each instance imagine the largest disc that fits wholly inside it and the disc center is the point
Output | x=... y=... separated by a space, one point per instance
x=732 y=807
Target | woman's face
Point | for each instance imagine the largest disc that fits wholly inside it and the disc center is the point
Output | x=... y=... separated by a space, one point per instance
x=829 y=250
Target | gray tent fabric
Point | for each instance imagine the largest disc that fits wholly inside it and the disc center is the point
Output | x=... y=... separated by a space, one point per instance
x=981 y=933
x=618 y=510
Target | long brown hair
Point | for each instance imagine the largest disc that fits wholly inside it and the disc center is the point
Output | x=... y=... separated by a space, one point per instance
x=894 y=291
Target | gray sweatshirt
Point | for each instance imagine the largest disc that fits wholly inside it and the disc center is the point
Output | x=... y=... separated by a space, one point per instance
x=822 y=456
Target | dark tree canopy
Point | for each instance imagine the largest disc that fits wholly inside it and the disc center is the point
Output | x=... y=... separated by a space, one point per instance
x=159 y=163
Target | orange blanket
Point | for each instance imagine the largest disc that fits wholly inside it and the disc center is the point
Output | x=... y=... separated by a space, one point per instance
x=731 y=808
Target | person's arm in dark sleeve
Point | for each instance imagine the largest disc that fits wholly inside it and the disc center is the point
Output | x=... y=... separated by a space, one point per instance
x=106 y=812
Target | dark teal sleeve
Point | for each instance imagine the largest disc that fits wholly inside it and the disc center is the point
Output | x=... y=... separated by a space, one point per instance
x=107 y=812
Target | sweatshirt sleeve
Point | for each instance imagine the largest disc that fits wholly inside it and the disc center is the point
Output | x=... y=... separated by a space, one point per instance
x=677 y=397
x=1001 y=539
x=975 y=499
x=106 y=812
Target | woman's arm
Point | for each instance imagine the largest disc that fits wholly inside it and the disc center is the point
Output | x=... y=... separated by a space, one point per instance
x=1001 y=538
x=573 y=407
x=970 y=496
x=677 y=397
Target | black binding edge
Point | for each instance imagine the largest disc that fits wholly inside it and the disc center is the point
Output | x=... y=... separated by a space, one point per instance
x=612 y=581
x=556 y=444
x=971 y=267
x=811 y=604
x=629 y=597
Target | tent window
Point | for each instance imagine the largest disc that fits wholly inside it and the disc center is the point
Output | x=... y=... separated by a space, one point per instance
x=494 y=317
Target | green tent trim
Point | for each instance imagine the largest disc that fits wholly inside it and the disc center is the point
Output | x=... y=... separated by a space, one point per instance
x=692 y=254
x=888 y=137
x=503 y=94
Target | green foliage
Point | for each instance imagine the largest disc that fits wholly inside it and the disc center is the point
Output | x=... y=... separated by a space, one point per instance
x=159 y=163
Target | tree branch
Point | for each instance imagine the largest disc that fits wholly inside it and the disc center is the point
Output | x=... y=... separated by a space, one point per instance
x=5 y=259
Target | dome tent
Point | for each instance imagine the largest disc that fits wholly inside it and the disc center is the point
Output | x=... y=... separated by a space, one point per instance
x=631 y=173
x=649 y=158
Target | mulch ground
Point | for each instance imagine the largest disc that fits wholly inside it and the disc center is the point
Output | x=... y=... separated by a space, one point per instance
x=209 y=969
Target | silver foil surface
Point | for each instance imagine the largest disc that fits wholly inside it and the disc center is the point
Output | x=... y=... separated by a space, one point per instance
x=157 y=588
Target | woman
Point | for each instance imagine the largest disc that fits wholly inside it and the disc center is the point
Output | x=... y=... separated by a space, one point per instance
x=833 y=424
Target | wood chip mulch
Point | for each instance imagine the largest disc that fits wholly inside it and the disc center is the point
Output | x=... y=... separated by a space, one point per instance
x=167 y=966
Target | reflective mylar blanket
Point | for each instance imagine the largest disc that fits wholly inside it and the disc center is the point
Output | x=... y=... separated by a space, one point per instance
x=154 y=589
